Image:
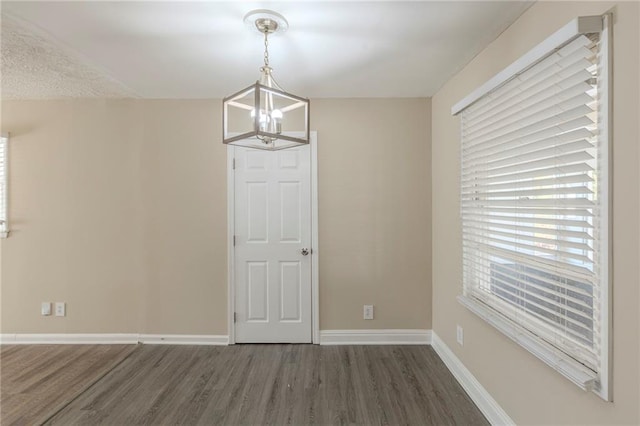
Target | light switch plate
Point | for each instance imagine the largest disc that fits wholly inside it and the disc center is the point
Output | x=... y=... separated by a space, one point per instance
x=45 y=308
x=460 y=335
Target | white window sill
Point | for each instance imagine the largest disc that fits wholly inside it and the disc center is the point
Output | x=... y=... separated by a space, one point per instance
x=562 y=363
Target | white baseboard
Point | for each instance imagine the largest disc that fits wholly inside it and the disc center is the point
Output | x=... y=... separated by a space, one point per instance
x=183 y=339
x=375 y=337
x=111 y=339
x=485 y=402
x=68 y=339
x=327 y=337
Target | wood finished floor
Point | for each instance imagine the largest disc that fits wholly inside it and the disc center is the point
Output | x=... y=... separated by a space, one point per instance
x=275 y=384
x=38 y=380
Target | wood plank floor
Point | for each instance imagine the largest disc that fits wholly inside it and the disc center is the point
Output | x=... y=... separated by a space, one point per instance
x=275 y=384
x=38 y=380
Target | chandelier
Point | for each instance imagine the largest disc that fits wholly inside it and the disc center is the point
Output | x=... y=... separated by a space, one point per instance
x=264 y=115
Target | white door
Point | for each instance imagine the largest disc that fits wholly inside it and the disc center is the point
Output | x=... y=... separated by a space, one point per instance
x=272 y=245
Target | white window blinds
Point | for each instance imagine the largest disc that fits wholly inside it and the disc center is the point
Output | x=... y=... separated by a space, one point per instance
x=4 y=227
x=534 y=204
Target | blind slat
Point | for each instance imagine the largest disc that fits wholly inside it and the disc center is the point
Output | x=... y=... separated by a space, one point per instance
x=512 y=238
x=525 y=193
x=533 y=143
x=567 y=332
x=569 y=270
x=556 y=130
x=543 y=172
x=498 y=212
x=508 y=220
x=545 y=329
x=532 y=183
x=556 y=90
x=536 y=113
x=543 y=69
x=530 y=152
x=573 y=157
x=548 y=202
x=561 y=122
x=505 y=284
x=528 y=249
x=541 y=269
x=517 y=226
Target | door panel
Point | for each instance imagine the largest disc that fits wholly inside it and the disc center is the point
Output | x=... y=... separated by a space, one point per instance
x=257 y=212
x=290 y=291
x=290 y=213
x=272 y=226
x=257 y=291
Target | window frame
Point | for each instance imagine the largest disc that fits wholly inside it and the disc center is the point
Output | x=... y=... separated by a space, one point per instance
x=4 y=184
x=583 y=377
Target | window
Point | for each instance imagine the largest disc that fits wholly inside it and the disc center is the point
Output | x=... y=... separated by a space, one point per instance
x=4 y=147
x=534 y=202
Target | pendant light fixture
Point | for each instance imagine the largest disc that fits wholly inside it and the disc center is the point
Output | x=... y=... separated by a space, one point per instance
x=264 y=115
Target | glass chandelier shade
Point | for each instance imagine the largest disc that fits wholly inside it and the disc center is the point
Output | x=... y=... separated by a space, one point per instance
x=263 y=115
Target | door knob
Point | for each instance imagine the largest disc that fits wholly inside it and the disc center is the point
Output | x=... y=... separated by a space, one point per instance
x=304 y=251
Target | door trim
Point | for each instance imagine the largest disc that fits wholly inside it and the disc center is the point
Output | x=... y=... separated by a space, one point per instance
x=315 y=290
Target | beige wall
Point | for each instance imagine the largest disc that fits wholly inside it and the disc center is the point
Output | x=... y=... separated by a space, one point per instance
x=375 y=212
x=184 y=184
x=74 y=217
x=527 y=389
x=119 y=209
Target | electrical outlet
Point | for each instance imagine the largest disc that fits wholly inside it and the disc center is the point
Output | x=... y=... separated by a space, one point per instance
x=45 y=308
x=61 y=309
x=368 y=312
x=460 y=335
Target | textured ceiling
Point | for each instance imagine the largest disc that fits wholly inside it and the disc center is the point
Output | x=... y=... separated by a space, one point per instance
x=164 y=49
x=35 y=67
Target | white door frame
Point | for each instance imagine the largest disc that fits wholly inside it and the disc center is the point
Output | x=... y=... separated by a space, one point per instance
x=315 y=292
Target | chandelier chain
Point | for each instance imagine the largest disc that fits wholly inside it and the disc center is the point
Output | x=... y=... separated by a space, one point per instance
x=266 y=49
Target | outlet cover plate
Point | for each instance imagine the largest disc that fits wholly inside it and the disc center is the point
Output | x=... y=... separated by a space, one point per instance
x=368 y=312
x=61 y=309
